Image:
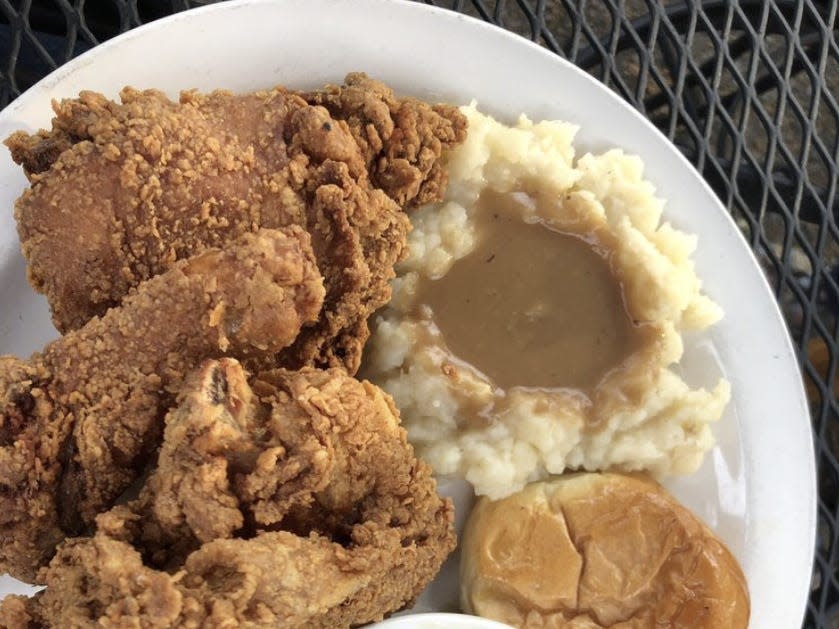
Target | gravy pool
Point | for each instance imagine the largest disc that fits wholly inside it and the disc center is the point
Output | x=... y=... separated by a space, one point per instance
x=531 y=306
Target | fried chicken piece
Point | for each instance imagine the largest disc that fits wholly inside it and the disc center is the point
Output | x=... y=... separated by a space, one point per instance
x=79 y=420
x=273 y=580
x=402 y=139
x=119 y=192
x=297 y=503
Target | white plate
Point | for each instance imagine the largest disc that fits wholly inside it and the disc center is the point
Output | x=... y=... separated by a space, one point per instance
x=757 y=487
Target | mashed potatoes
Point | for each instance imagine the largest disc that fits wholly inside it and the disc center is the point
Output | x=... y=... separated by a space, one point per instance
x=640 y=416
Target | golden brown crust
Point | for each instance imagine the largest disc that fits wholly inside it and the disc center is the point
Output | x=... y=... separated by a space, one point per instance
x=401 y=139
x=136 y=228
x=15 y=613
x=599 y=550
x=120 y=191
x=297 y=504
x=78 y=420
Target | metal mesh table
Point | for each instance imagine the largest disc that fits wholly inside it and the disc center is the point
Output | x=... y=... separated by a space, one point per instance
x=747 y=89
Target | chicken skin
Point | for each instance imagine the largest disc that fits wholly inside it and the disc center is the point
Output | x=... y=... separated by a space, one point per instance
x=121 y=191
x=401 y=139
x=79 y=420
x=296 y=502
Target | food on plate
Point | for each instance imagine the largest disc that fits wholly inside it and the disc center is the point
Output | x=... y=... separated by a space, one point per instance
x=80 y=420
x=401 y=139
x=538 y=317
x=214 y=262
x=120 y=191
x=294 y=502
x=598 y=550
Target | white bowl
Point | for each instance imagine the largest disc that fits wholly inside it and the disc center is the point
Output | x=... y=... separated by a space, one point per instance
x=439 y=621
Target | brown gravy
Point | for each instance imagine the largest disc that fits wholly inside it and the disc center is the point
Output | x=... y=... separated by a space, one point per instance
x=531 y=306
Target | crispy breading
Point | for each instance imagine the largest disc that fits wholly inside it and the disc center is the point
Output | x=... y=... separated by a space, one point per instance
x=120 y=191
x=79 y=420
x=297 y=503
x=402 y=139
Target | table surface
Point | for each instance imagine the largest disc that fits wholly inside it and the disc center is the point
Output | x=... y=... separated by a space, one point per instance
x=746 y=89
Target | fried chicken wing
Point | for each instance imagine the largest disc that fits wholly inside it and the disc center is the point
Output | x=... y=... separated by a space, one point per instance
x=79 y=419
x=295 y=503
x=120 y=191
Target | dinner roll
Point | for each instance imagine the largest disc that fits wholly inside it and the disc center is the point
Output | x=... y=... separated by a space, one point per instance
x=598 y=550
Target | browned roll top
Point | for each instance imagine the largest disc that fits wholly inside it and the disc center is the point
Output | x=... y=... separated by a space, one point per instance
x=598 y=550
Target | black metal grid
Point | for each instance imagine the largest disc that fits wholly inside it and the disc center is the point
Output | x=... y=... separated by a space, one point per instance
x=747 y=89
